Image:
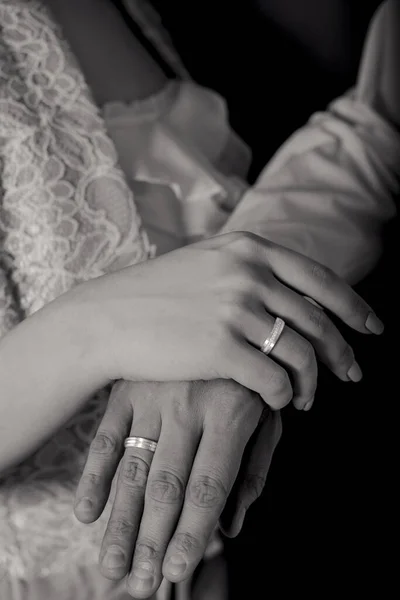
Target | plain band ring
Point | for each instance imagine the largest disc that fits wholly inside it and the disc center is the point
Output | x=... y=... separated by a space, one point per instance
x=272 y=339
x=139 y=442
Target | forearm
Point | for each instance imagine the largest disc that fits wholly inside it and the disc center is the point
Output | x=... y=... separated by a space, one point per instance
x=329 y=200
x=48 y=369
x=331 y=188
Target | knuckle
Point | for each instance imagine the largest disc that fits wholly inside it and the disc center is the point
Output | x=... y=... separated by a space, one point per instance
x=206 y=492
x=146 y=550
x=321 y=274
x=319 y=320
x=119 y=527
x=181 y=411
x=134 y=472
x=237 y=279
x=165 y=487
x=233 y=236
x=104 y=443
x=244 y=242
x=90 y=480
x=186 y=543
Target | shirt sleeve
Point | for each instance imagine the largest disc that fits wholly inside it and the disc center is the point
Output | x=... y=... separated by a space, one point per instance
x=330 y=189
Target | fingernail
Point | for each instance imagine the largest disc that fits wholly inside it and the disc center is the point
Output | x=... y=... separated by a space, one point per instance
x=176 y=566
x=85 y=505
x=373 y=324
x=308 y=405
x=355 y=373
x=114 y=558
x=142 y=579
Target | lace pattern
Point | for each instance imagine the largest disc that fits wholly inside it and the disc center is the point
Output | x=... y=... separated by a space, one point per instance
x=66 y=215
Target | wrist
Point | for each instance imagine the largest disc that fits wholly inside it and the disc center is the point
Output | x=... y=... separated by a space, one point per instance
x=79 y=331
x=55 y=352
x=48 y=370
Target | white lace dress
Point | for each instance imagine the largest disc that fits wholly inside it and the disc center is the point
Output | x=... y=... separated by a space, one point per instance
x=73 y=180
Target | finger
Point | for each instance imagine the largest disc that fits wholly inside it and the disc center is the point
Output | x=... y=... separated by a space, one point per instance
x=214 y=471
x=252 y=476
x=292 y=351
x=248 y=366
x=165 y=492
x=320 y=283
x=123 y=525
x=104 y=455
x=313 y=323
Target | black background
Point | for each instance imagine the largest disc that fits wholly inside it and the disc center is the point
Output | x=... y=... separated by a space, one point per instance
x=323 y=525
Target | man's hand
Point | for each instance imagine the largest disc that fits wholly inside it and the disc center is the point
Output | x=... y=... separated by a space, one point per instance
x=253 y=472
x=167 y=504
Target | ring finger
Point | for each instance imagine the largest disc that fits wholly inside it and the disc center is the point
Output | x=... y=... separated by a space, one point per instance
x=123 y=525
x=310 y=320
x=292 y=351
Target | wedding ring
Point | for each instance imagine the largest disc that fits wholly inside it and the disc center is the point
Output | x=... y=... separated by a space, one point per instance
x=272 y=339
x=139 y=442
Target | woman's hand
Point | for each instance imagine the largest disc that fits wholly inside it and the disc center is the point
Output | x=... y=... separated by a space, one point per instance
x=203 y=312
x=167 y=504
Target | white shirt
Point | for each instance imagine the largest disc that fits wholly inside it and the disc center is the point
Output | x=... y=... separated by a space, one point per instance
x=331 y=187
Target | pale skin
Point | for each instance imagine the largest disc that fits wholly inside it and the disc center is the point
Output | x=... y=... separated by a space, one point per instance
x=138 y=325
x=129 y=528
x=167 y=504
x=64 y=350
x=140 y=542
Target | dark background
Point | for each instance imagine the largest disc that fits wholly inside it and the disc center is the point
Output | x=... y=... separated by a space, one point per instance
x=275 y=61
x=323 y=525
